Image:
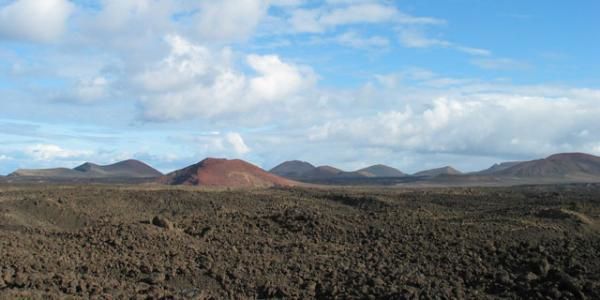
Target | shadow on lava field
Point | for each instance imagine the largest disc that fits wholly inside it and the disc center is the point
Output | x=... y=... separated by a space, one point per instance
x=537 y=242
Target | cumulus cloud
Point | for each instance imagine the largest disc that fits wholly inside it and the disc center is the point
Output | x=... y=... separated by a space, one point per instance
x=276 y=79
x=86 y=91
x=34 y=20
x=230 y=19
x=194 y=81
x=216 y=144
x=236 y=141
x=93 y=89
x=482 y=122
x=169 y=61
x=48 y=152
x=116 y=15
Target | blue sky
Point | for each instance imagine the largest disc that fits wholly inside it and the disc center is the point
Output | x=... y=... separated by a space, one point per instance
x=412 y=84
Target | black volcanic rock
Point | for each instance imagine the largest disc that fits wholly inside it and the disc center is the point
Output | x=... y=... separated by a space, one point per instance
x=292 y=169
x=437 y=172
x=381 y=171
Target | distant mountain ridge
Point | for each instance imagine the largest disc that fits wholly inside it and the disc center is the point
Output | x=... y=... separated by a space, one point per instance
x=124 y=169
x=300 y=170
x=557 y=168
x=563 y=167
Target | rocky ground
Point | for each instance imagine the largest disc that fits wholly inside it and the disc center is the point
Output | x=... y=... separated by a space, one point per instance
x=114 y=242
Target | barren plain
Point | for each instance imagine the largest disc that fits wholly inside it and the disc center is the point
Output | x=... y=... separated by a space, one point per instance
x=149 y=242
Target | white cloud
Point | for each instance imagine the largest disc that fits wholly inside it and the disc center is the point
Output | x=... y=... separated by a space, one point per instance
x=414 y=38
x=236 y=141
x=474 y=51
x=500 y=64
x=276 y=80
x=216 y=144
x=417 y=38
x=116 y=15
x=230 y=19
x=34 y=20
x=306 y=20
x=320 y=19
x=467 y=119
x=194 y=81
x=185 y=64
x=5 y=157
x=49 y=152
x=352 y=39
x=191 y=76
x=90 y=90
x=87 y=90
x=361 y=13
x=286 y=2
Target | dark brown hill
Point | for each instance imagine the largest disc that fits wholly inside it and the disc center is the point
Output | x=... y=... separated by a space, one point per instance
x=124 y=169
x=569 y=165
x=59 y=173
x=304 y=171
x=497 y=168
x=381 y=171
x=294 y=169
x=234 y=173
x=128 y=168
x=322 y=172
x=437 y=172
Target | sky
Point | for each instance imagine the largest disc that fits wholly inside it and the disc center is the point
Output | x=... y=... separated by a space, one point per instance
x=414 y=84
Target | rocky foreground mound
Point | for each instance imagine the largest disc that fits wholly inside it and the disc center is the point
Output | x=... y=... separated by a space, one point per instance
x=235 y=173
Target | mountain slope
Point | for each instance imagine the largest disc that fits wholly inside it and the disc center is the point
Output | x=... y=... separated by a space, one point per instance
x=292 y=169
x=564 y=165
x=128 y=168
x=300 y=170
x=381 y=171
x=48 y=173
x=437 y=172
x=498 y=167
x=224 y=173
x=322 y=172
x=123 y=169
